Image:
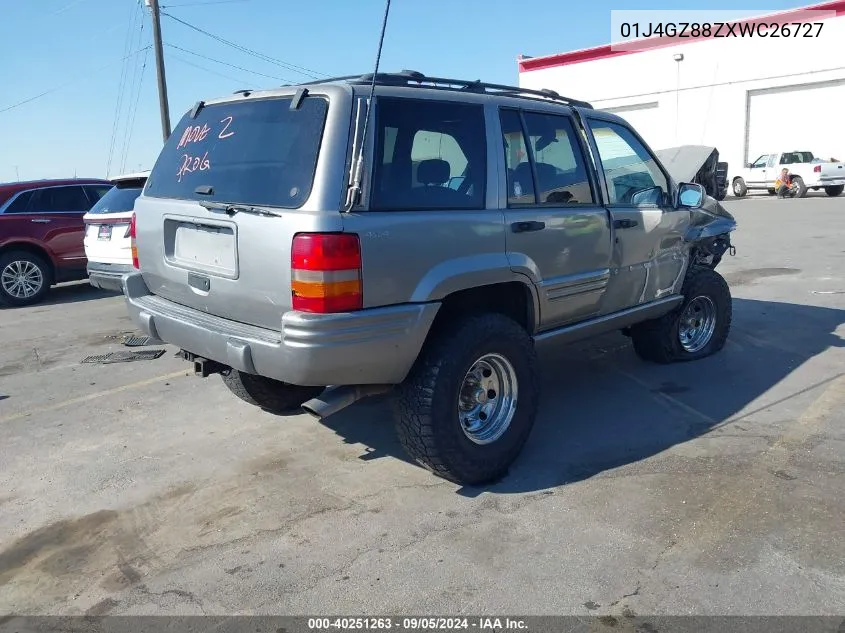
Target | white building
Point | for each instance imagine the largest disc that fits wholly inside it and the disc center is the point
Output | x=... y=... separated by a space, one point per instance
x=746 y=96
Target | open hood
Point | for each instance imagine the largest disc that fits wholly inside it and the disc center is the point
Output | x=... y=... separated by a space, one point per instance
x=685 y=161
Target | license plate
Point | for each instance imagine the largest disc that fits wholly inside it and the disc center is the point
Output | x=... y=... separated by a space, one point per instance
x=105 y=232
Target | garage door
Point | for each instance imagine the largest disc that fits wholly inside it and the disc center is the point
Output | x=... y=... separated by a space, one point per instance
x=818 y=109
x=644 y=118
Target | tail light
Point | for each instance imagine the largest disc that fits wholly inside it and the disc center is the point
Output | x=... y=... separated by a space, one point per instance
x=326 y=273
x=817 y=169
x=135 y=262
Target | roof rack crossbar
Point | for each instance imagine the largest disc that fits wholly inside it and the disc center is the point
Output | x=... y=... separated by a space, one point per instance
x=410 y=77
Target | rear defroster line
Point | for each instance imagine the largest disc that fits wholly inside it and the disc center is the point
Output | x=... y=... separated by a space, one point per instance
x=124 y=357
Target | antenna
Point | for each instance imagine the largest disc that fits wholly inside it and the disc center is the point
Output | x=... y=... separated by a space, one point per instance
x=355 y=185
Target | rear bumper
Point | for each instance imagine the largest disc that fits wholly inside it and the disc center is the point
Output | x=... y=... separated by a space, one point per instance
x=108 y=276
x=831 y=182
x=375 y=346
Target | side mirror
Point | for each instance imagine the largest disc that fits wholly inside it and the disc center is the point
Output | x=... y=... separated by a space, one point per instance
x=690 y=195
x=749 y=165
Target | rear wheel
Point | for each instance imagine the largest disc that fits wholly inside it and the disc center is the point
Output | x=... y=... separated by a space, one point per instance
x=271 y=395
x=799 y=186
x=739 y=187
x=696 y=329
x=468 y=406
x=834 y=190
x=24 y=278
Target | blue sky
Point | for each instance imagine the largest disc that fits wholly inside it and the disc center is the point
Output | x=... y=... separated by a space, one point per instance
x=74 y=48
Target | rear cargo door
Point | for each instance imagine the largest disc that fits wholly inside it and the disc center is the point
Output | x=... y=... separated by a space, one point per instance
x=222 y=204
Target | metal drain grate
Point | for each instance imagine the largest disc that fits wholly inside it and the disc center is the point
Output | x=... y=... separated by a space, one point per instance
x=124 y=357
x=137 y=341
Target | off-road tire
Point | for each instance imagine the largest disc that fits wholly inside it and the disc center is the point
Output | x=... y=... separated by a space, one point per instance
x=800 y=187
x=834 y=190
x=657 y=340
x=426 y=414
x=46 y=276
x=739 y=187
x=271 y=395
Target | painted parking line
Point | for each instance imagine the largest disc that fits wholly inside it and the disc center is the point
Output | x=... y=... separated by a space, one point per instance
x=91 y=396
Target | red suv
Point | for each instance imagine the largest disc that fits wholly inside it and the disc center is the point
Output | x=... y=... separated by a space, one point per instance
x=41 y=235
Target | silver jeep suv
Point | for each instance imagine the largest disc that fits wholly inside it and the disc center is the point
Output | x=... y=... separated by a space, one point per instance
x=319 y=243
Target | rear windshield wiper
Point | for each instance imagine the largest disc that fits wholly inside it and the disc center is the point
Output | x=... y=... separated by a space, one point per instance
x=232 y=209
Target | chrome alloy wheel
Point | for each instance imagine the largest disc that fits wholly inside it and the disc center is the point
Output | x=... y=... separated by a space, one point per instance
x=698 y=322
x=487 y=399
x=22 y=279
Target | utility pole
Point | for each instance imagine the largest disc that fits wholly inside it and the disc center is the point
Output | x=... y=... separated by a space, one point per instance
x=162 y=82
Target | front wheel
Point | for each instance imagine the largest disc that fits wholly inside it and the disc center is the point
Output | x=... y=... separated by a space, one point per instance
x=799 y=187
x=24 y=278
x=271 y=395
x=468 y=406
x=696 y=329
x=739 y=187
x=834 y=190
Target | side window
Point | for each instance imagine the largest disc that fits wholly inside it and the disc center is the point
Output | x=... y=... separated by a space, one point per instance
x=63 y=199
x=558 y=162
x=772 y=160
x=760 y=162
x=95 y=192
x=520 y=179
x=21 y=203
x=632 y=174
x=429 y=155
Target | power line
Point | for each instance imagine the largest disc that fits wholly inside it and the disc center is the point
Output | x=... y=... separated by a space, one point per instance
x=136 y=75
x=292 y=67
x=201 y=4
x=135 y=112
x=208 y=70
x=121 y=85
x=69 y=83
x=211 y=59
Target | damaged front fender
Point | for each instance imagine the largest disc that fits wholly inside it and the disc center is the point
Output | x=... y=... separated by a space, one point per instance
x=709 y=233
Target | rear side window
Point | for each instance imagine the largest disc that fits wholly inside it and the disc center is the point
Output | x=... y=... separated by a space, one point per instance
x=429 y=155
x=559 y=174
x=250 y=152
x=59 y=200
x=95 y=192
x=117 y=200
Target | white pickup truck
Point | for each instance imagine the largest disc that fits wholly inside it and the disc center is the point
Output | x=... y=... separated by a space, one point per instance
x=808 y=172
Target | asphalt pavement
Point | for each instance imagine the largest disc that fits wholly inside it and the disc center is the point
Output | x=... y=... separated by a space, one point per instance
x=713 y=487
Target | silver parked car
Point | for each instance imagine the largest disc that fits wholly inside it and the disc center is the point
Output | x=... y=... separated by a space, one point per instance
x=423 y=242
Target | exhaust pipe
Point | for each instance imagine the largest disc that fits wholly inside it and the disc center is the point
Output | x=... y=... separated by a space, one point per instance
x=334 y=399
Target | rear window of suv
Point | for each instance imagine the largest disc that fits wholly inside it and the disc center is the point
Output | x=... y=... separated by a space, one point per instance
x=258 y=152
x=119 y=198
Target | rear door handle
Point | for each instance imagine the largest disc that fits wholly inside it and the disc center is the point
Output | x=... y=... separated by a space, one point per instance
x=41 y=221
x=524 y=227
x=624 y=224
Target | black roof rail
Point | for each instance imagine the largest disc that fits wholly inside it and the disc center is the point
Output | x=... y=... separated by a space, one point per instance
x=418 y=79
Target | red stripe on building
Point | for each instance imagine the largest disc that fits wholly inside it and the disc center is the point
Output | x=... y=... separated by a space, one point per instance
x=837 y=8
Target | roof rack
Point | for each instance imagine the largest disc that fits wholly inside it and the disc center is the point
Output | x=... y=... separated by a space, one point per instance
x=413 y=78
